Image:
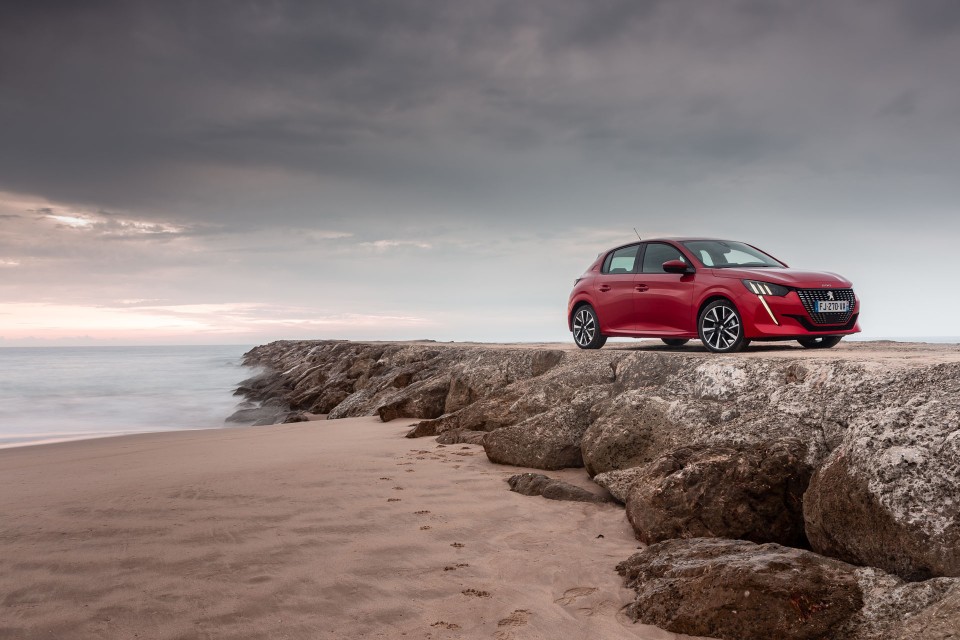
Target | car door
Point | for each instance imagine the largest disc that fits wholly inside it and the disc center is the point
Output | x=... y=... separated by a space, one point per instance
x=663 y=300
x=614 y=290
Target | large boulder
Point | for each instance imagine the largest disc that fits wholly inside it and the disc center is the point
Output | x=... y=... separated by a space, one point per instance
x=549 y=440
x=738 y=590
x=754 y=493
x=889 y=496
x=421 y=400
x=631 y=430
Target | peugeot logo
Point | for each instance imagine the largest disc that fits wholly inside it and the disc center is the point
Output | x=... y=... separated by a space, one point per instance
x=830 y=295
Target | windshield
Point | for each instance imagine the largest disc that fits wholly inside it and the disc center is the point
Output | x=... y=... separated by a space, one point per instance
x=721 y=254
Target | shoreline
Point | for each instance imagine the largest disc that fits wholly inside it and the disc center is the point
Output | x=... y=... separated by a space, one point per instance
x=339 y=528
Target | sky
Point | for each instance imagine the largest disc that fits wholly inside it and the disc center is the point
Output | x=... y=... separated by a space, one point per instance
x=237 y=172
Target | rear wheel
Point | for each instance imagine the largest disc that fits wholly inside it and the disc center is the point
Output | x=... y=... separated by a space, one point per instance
x=720 y=327
x=675 y=342
x=820 y=342
x=586 y=328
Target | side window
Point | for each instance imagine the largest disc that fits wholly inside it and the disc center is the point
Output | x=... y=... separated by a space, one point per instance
x=656 y=254
x=706 y=258
x=622 y=260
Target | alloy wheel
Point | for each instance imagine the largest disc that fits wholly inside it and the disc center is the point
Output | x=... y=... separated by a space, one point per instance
x=720 y=327
x=584 y=327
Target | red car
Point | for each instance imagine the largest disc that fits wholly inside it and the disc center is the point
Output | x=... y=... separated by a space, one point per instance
x=721 y=292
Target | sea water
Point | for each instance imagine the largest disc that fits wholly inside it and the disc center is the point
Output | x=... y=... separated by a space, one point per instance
x=65 y=393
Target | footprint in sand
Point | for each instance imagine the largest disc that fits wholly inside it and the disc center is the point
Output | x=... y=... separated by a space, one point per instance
x=454 y=567
x=393 y=499
x=386 y=478
x=457 y=545
x=445 y=625
x=398 y=488
x=476 y=593
x=424 y=527
x=507 y=625
x=421 y=513
x=572 y=595
x=518 y=618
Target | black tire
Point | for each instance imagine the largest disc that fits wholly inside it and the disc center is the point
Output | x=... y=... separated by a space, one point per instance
x=720 y=327
x=820 y=342
x=675 y=342
x=586 y=328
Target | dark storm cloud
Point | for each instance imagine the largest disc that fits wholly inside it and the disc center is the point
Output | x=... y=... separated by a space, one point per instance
x=221 y=111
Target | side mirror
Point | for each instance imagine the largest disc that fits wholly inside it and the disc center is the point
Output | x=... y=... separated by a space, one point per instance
x=677 y=266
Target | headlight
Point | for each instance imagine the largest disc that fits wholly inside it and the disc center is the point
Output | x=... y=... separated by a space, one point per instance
x=765 y=288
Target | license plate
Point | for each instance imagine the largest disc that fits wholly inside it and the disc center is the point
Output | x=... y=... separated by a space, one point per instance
x=833 y=306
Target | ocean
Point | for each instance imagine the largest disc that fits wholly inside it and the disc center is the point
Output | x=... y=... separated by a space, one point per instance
x=64 y=393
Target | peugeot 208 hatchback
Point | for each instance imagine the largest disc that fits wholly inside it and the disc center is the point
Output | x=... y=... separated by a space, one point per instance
x=725 y=293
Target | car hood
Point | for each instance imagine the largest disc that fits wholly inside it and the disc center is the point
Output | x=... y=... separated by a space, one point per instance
x=789 y=277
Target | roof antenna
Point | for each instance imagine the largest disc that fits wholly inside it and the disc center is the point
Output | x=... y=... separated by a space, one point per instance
x=638 y=233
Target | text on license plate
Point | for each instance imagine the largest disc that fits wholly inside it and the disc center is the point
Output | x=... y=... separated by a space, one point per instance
x=832 y=306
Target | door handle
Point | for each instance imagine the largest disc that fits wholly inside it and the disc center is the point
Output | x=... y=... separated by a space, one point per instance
x=640 y=288
x=604 y=287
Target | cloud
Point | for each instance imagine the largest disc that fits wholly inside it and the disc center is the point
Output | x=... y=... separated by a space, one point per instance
x=112 y=226
x=383 y=245
x=351 y=153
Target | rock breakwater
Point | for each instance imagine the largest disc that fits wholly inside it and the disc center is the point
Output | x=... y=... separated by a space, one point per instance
x=696 y=445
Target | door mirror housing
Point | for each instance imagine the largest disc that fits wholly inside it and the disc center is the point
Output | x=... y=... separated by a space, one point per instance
x=677 y=266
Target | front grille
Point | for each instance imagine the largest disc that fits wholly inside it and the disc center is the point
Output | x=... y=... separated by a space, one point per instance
x=809 y=298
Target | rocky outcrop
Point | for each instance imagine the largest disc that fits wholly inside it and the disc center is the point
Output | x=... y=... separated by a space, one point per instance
x=536 y=484
x=754 y=493
x=737 y=590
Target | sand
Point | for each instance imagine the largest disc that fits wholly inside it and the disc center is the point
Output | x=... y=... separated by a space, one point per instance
x=327 y=529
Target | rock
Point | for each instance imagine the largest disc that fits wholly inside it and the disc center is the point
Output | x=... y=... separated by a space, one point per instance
x=630 y=432
x=457 y=436
x=738 y=590
x=421 y=400
x=754 y=493
x=549 y=440
x=939 y=621
x=619 y=482
x=898 y=610
x=535 y=484
x=889 y=496
x=271 y=411
x=296 y=416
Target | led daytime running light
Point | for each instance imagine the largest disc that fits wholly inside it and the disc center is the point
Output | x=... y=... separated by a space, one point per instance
x=765 y=288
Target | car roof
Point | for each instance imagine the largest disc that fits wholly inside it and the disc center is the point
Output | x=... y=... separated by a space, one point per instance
x=674 y=239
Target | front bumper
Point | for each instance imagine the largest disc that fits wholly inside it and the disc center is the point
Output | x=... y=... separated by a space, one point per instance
x=784 y=317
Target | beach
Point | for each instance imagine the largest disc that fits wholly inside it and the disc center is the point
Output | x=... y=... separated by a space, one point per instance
x=323 y=529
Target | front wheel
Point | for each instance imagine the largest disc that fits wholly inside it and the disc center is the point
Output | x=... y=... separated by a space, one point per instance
x=586 y=329
x=820 y=342
x=720 y=327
